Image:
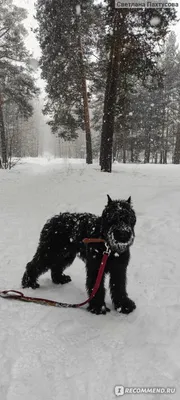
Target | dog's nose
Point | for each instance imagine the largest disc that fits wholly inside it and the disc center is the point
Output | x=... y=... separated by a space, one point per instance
x=123 y=235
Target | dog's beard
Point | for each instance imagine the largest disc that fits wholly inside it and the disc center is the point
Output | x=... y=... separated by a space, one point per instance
x=117 y=245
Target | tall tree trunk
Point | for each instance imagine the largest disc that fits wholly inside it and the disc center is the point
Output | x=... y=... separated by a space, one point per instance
x=110 y=98
x=132 y=150
x=174 y=141
x=162 y=140
x=166 y=146
x=177 y=146
x=147 y=154
x=124 y=147
x=165 y=156
x=85 y=106
x=161 y=157
x=2 y=134
x=147 y=148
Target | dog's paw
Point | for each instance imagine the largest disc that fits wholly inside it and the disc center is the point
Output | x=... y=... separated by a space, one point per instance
x=62 y=279
x=35 y=285
x=32 y=285
x=65 y=279
x=98 y=309
x=27 y=282
x=126 y=306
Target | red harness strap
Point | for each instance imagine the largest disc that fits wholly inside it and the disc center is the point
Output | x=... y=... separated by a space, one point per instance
x=16 y=295
x=93 y=240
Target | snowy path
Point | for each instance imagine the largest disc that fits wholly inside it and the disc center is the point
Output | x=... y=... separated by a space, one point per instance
x=63 y=354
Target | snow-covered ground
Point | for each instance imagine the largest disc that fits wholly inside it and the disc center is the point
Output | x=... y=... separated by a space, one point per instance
x=48 y=353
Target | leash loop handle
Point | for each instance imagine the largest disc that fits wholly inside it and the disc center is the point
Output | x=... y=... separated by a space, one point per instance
x=17 y=295
x=11 y=293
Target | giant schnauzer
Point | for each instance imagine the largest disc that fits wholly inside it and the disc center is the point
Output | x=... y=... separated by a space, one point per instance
x=61 y=240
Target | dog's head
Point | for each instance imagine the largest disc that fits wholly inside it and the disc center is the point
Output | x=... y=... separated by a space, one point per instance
x=118 y=221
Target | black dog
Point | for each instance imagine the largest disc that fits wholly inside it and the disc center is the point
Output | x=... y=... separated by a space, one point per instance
x=61 y=240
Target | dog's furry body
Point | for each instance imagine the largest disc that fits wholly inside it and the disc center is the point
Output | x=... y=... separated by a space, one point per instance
x=61 y=241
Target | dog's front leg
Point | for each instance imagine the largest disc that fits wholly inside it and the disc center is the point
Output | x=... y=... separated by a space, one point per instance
x=117 y=270
x=97 y=304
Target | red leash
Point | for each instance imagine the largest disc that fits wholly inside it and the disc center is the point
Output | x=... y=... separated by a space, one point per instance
x=16 y=295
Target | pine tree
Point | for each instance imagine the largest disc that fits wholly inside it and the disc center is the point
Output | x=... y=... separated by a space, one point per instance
x=130 y=31
x=16 y=83
x=147 y=109
x=175 y=109
x=66 y=39
x=171 y=96
x=156 y=108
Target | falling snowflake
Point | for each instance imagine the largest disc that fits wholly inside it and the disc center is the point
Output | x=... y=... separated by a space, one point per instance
x=78 y=9
x=155 y=21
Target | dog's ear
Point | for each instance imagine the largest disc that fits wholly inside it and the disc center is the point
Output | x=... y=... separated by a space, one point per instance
x=109 y=199
x=129 y=200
